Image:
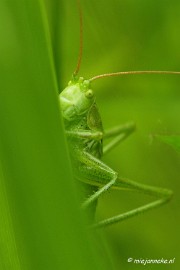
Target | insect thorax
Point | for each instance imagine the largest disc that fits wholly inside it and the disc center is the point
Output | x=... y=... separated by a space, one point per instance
x=90 y=121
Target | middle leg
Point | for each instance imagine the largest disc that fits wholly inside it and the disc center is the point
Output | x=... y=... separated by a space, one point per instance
x=118 y=134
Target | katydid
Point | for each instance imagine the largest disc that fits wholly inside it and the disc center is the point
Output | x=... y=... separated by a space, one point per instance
x=85 y=137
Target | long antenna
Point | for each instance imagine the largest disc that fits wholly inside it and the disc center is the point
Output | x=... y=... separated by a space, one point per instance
x=133 y=73
x=80 y=38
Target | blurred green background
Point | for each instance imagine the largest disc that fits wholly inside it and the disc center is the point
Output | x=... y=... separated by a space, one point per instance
x=41 y=227
x=134 y=35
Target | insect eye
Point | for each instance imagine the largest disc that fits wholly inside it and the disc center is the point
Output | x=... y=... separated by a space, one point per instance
x=89 y=93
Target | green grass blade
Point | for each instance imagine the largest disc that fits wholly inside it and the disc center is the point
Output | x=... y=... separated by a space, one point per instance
x=46 y=224
x=8 y=251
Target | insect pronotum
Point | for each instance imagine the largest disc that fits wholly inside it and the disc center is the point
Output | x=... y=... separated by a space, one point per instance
x=85 y=137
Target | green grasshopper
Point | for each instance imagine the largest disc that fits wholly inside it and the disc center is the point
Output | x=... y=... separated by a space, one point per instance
x=85 y=137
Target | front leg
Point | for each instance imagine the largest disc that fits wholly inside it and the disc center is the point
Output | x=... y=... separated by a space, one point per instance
x=85 y=134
